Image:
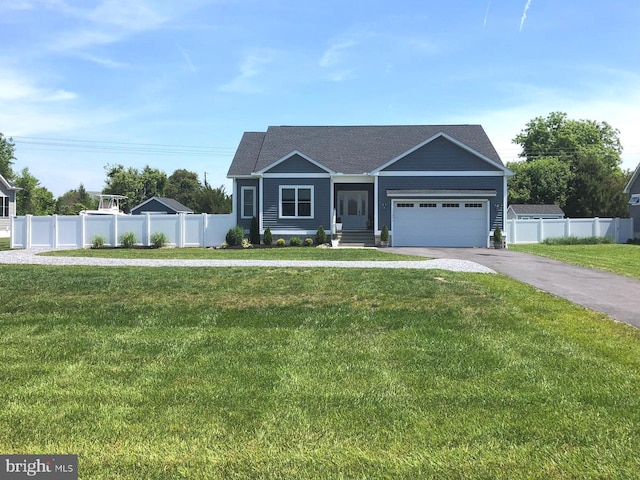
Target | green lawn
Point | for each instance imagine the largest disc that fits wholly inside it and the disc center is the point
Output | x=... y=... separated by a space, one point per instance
x=313 y=373
x=4 y=244
x=617 y=258
x=282 y=253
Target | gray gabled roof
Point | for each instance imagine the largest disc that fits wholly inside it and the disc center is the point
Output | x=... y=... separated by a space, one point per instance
x=8 y=185
x=521 y=209
x=636 y=173
x=174 y=205
x=350 y=149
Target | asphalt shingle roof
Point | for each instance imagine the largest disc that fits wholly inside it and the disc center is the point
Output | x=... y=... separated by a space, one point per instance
x=348 y=149
x=522 y=209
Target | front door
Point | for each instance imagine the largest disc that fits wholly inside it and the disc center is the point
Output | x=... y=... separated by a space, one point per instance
x=353 y=209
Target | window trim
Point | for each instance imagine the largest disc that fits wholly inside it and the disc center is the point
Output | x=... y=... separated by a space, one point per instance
x=296 y=188
x=242 y=202
x=4 y=206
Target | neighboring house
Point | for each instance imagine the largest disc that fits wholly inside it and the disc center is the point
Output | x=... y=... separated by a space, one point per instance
x=7 y=205
x=633 y=189
x=160 y=205
x=432 y=185
x=529 y=212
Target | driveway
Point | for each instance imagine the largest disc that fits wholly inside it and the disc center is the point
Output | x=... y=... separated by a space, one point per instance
x=614 y=295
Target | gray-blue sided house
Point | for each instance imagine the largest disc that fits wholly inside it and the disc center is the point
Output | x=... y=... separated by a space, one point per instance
x=431 y=185
x=633 y=189
x=160 y=205
x=7 y=205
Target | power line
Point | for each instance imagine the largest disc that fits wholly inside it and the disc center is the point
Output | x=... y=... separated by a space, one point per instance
x=88 y=146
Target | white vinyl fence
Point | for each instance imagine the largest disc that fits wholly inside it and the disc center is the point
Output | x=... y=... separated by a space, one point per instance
x=535 y=231
x=78 y=231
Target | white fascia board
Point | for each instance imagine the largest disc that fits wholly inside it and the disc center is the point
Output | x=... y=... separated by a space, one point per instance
x=421 y=196
x=503 y=170
x=295 y=175
x=288 y=156
x=342 y=178
x=633 y=178
x=437 y=173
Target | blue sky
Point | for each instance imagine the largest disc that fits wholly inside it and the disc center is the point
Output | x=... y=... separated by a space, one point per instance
x=113 y=81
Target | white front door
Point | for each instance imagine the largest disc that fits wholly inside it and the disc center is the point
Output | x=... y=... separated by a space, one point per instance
x=353 y=209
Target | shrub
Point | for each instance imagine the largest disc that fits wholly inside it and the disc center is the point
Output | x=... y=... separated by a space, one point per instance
x=268 y=238
x=254 y=232
x=280 y=242
x=577 y=240
x=295 y=242
x=158 y=239
x=234 y=236
x=321 y=236
x=497 y=235
x=97 y=241
x=308 y=242
x=246 y=243
x=128 y=240
x=384 y=234
x=223 y=245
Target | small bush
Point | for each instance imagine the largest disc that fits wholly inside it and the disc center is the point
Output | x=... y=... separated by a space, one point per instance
x=308 y=242
x=384 y=234
x=577 y=240
x=246 y=243
x=280 y=242
x=497 y=235
x=321 y=236
x=223 y=245
x=267 y=238
x=158 y=239
x=633 y=241
x=234 y=236
x=254 y=232
x=97 y=241
x=128 y=240
x=295 y=242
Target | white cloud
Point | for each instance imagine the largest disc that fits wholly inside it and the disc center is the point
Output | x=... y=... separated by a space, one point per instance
x=524 y=14
x=335 y=53
x=17 y=87
x=252 y=66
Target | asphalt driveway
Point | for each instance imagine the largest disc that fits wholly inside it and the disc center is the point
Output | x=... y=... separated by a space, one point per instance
x=614 y=295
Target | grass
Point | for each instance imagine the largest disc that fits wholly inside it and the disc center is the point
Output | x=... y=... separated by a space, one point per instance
x=282 y=253
x=622 y=259
x=4 y=243
x=313 y=373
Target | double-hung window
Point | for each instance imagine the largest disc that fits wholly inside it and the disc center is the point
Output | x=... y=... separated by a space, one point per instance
x=296 y=201
x=248 y=195
x=4 y=206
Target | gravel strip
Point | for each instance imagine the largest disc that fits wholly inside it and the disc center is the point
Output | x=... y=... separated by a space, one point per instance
x=31 y=257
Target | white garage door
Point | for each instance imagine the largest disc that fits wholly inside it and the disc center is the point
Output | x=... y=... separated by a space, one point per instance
x=450 y=223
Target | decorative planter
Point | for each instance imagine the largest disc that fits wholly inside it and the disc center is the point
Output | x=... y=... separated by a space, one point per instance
x=384 y=244
x=334 y=242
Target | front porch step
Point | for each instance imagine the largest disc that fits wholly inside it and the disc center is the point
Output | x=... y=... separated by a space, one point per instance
x=358 y=238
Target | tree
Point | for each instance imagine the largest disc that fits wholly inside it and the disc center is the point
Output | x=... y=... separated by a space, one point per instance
x=7 y=151
x=33 y=199
x=541 y=181
x=135 y=185
x=591 y=152
x=184 y=187
x=74 y=201
x=214 y=200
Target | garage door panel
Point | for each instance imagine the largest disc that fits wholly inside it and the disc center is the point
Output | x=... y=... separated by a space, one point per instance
x=441 y=224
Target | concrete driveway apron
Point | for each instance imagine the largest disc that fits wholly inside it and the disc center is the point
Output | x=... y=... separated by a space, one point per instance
x=614 y=295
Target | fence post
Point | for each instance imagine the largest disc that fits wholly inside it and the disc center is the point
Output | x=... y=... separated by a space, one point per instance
x=148 y=225
x=616 y=223
x=567 y=227
x=115 y=231
x=540 y=230
x=28 y=239
x=596 y=227
x=83 y=232
x=181 y=223
x=55 y=231
x=204 y=229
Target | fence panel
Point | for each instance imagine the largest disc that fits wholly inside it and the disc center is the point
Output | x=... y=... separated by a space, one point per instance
x=536 y=231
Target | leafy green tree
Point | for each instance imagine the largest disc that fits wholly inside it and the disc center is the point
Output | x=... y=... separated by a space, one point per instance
x=214 y=200
x=541 y=181
x=74 y=201
x=33 y=199
x=184 y=187
x=7 y=156
x=590 y=150
x=136 y=185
